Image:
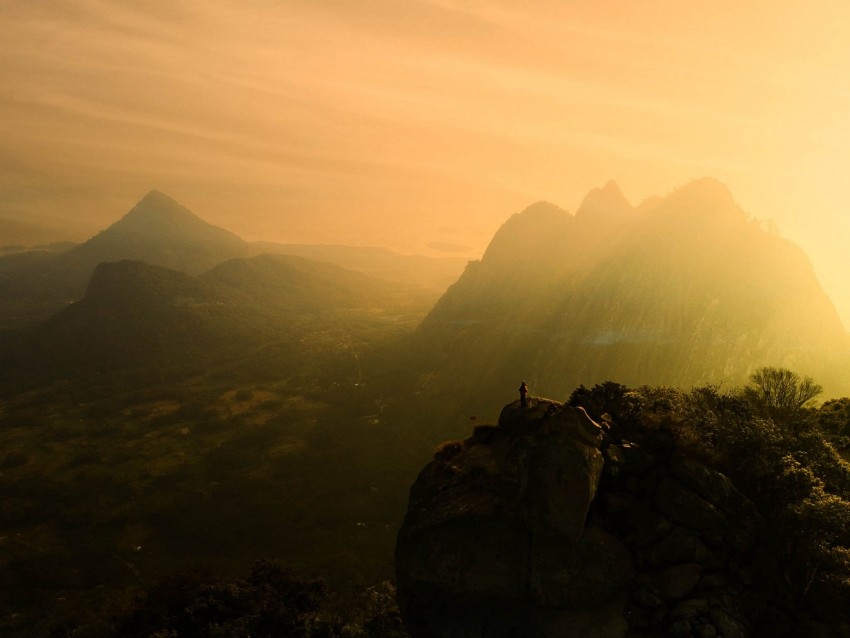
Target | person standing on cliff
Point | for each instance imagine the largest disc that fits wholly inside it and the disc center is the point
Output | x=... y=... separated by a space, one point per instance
x=523 y=395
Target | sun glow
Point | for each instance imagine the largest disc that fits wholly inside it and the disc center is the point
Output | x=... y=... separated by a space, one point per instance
x=423 y=123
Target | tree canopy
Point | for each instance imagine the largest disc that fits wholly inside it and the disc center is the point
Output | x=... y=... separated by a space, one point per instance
x=779 y=392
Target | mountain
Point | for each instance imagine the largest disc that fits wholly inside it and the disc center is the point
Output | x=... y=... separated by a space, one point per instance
x=683 y=290
x=159 y=231
x=288 y=284
x=536 y=251
x=433 y=274
x=606 y=206
x=137 y=315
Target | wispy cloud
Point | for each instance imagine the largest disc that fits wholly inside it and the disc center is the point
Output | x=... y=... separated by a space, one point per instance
x=386 y=121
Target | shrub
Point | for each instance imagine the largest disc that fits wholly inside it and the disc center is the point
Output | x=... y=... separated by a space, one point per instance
x=772 y=447
x=833 y=417
x=192 y=604
x=383 y=618
x=270 y=603
x=608 y=397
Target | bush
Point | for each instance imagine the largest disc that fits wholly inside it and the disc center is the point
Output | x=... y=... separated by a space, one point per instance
x=270 y=603
x=604 y=398
x=833 y=417
x=771 y=450
x=769 y=443
x=192 y=604
x=383 y=618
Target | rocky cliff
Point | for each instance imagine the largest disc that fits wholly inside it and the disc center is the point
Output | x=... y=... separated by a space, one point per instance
x=547 y=526
x=682 y=291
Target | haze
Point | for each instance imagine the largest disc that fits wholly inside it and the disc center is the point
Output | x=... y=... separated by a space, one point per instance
x=420 y=126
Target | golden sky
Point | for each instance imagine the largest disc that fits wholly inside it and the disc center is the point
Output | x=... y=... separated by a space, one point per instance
x=408 y=122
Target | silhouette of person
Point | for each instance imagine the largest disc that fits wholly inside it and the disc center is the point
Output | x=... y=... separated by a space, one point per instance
x=523 y=395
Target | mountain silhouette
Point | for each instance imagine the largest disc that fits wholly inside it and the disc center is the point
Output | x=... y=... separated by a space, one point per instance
x=160 y=231
x=684 y=290
x=286 y=284
x=605 y=205
x=432 y=274
x=157 y=230
x=137 y=315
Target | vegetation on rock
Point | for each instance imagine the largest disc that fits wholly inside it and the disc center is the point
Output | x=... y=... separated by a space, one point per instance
x=778 y=453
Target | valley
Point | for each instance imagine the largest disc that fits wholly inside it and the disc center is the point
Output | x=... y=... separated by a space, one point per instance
x=226 y=406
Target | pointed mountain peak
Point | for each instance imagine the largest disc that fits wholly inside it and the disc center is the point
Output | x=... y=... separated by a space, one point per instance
x=161 y=231
x=157 y=214
x=606 y=203
x=157 y=204
x=613 y=189
x=155 y=197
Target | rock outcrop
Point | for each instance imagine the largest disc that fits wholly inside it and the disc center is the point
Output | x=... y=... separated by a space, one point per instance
x=545 y=526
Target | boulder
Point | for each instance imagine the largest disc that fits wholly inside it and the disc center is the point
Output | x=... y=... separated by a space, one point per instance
x=524 y=530
x=497 y=532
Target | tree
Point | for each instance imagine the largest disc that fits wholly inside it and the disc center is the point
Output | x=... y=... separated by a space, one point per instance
x=834 y=417
x=780 y=393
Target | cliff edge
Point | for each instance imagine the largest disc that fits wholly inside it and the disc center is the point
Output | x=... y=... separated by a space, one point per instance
x=546 y=526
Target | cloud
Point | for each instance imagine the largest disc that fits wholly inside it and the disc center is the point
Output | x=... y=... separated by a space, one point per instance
x=381 y=120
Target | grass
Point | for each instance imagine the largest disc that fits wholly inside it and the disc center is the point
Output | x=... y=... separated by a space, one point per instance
x=107 y=488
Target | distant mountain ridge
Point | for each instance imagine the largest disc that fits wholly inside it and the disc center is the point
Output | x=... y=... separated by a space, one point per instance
x=161 y=232
x=434 y=274
x=157 y=230
x=681 y=291
x=135 y=315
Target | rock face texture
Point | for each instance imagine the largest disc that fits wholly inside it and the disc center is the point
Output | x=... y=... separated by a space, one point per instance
x=544 y=526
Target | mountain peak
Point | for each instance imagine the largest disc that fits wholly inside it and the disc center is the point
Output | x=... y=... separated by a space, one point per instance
x=157 y=214
x=161 y=231
x=155 y=192
x=528 y=235
x=157 y=196
x=606 y=203
x=612 y=188
x=705 y=198
x=158 y=204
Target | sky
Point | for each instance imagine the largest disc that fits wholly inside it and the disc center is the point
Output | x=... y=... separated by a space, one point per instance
x=421 y=125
